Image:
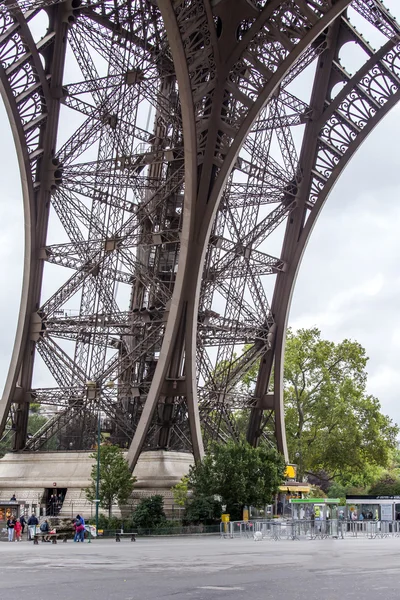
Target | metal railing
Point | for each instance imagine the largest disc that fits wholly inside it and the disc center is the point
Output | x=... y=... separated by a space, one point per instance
x=309 y=530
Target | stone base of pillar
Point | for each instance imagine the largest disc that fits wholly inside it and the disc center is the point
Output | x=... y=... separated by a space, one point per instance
x=29 y=475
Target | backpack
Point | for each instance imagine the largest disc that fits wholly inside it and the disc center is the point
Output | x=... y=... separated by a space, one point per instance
x=43 y=527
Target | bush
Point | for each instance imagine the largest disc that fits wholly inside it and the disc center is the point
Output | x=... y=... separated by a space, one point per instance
x=149 y=513
x=202 y=509
x=107 y=523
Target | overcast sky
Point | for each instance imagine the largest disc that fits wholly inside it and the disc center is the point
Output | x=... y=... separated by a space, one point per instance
x=349 y=282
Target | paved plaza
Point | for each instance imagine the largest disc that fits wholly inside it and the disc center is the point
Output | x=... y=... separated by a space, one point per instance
x=202 y=568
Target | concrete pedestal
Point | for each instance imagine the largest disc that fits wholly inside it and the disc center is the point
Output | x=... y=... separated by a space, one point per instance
x=28 y=475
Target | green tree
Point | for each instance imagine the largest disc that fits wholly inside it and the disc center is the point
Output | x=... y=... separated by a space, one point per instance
x=36 y=420
x=149 y=513
x=116 y=480
x=332 y=424
x=387 y=485
x=180 y=491
x=240 y=474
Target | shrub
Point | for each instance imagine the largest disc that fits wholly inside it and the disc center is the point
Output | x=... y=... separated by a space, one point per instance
x=149 y=513
x=202 y=509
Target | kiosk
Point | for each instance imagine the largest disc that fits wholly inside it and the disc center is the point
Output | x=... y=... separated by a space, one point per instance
x=322 y=508
x=6 y=510
x=377 y=508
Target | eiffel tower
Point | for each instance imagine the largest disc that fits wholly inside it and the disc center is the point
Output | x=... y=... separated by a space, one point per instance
x=175 y=156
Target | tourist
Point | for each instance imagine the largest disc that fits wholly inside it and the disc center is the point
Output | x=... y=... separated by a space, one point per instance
x=74 y=525
x=81 y=527
x=10 y=528
x=52 y=507
x=79 y=531
x=23 y=523
x=18 y=530
x=44 y=528
x=32 y=524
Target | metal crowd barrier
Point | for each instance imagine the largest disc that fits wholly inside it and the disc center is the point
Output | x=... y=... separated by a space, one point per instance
x=309 y=530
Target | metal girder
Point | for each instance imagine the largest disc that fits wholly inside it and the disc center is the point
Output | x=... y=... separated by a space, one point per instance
x=180 y=164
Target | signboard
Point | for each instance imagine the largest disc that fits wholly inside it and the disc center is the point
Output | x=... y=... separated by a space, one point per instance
x=314 y=500
x=245 y=514
x=386 y=512
x=225 y=518
x=368 y=497
x=290 y=471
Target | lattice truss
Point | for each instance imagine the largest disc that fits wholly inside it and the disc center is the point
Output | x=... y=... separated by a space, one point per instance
x=98 y=93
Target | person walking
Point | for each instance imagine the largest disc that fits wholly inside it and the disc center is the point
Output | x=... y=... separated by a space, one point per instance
x=23 y=523
x=53 y=502
x=312 y=518
x=60 y=500
x=32 y=524
x=18 y=530
x=10 y=528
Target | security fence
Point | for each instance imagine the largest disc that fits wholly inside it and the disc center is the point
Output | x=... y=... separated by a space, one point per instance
x=309 y=530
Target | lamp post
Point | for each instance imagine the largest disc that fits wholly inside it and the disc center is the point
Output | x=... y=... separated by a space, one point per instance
x=98 y=471
x=300 y=457
x=92 y=392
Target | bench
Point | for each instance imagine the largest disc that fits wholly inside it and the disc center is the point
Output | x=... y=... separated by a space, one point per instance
x=118 y=536
x=53 y=537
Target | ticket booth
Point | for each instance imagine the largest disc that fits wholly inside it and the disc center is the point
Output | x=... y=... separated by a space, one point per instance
x=8 y=509
x=377 y=508
x=322 y=508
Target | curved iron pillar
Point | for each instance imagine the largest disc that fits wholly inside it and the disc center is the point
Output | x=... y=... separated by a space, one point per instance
x=224 y=54
x=29 y=93
x=334 y=133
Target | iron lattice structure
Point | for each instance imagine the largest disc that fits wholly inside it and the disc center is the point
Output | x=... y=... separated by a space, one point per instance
x=174 y=157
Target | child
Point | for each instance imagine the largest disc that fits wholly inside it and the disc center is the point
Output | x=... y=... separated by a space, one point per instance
x=18 y=530
x=76 y=524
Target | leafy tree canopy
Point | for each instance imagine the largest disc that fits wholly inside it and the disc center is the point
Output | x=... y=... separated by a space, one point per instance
x=387 y=485
x=240 y=474
x=332 y=424
x=36 y=420
x=116 y=480
x=180 y=491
